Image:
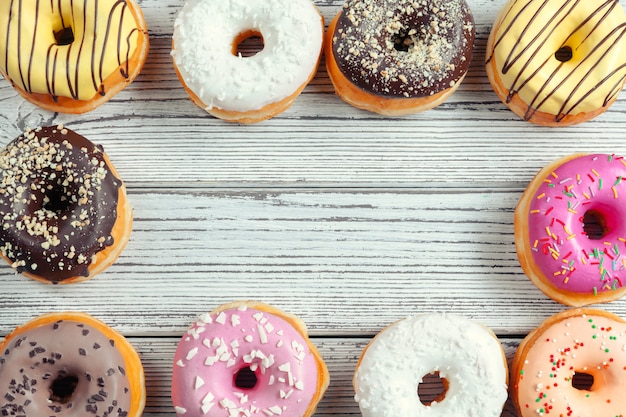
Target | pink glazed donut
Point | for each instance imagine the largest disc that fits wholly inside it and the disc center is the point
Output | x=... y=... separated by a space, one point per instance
x=570 y=229
x=247 y=359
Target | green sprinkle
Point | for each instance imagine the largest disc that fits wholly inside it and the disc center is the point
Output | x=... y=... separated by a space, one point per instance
x=619 y=179
x=600 y=184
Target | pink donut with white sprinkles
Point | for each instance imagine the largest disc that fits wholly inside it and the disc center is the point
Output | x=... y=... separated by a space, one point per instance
x=247 y=359
x=570 y=229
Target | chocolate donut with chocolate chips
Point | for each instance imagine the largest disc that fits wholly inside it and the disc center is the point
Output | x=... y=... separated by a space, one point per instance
x=69 y=365
x=402 y=58
x=63 y=207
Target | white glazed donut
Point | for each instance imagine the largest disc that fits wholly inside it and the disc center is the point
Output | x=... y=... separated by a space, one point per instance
x=466 y=355
x=254 y=88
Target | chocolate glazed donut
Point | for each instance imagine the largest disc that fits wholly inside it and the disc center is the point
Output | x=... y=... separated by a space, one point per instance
x=69 y=365
x=411 y=50
x=62 y=205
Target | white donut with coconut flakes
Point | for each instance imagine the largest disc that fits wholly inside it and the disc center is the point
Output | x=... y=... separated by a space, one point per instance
x=205 y=40
x=466 y=355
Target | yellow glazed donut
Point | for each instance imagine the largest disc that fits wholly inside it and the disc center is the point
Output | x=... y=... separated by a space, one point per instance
x=558 y=62
x=71 y=56
x=573 y=364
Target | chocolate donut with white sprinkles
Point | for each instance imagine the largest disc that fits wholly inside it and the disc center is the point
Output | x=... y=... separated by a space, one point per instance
x=64 y=212
x=69 y=365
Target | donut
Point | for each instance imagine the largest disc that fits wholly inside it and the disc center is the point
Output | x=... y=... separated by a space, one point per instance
x=69 y=365
x=246 y=89
x=63 y=207
x=570 y=233
x=401 y=58
x=71 y=56
x=250 y=359
x=465 y=355
x=557 y=62
x=572 y=364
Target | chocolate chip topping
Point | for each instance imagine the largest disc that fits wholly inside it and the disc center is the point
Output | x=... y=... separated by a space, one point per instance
x=407 y=48
x=58 y=203
x=64 y=376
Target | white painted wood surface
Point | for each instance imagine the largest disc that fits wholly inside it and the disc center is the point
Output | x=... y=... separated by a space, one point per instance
x=347 y=219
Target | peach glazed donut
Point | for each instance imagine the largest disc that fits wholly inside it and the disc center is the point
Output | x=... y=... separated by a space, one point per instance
x=573 y=364
x=64 y=212
x=247 y=359
x=69 y=365
x=558 y=62
x=397 y=58
x=246 y=89
x=465 y=355
x=71 y=56
x=570 y=229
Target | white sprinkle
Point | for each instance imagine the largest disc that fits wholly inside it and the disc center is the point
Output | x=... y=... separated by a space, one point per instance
x=276 y=409
x=262 y=335
x=180 y=410
x=285 y=367
x=180 y=363
x=221 y=318
x=271 y=380
x=258 y=316
x=193 y=352
x=199 y=382
x=269 y=328
x=248 y=338
x=210 y=360
x=234 y=320
x=208 y=398
x=207 y=407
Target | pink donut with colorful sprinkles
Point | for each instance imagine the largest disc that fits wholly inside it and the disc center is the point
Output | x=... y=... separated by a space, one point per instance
x=570 y=229
x=247 y=359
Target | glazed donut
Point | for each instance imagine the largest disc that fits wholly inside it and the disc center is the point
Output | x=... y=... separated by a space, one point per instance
x=69 y=365
x=466 y=356
x=247 y=358
x=64 y=212
x=557 y=62
x=573 y=364
x=400 y=59
x=71 y=56
x=227 y=85
x=570 y=232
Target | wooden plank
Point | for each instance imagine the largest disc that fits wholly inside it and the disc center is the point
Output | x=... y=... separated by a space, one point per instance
x=340 y=356
x=348 y=262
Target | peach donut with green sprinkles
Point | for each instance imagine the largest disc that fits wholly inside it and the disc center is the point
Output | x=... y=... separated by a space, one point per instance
x=573 y=364
x=570 y=229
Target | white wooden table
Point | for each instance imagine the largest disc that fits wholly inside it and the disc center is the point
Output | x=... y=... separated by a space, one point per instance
x=347 y=219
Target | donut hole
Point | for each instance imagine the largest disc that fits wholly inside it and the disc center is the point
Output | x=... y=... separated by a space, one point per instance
x=594 y=225
x=564 y=54
x=582 y=381
x=245 y=378
x=433 y=388
x=62 y=388
x=248 y=43
x=56 y=199
x=403 y=41
x=64 y=36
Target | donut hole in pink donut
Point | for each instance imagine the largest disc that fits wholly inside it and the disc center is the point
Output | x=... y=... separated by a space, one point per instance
x=582 y=381
x=594 y=224
x=433 y=388
x=245 y=378
x=64 y=36
x=248 y=43
x=62 y=388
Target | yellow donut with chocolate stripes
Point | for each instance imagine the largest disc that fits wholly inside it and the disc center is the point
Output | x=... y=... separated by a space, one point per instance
x=71 y=56
x=558 y=62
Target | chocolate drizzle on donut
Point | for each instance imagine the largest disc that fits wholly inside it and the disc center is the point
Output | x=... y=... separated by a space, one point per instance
x=43 y=373
x=58 y=202
x=408 y=48
x=110 y=41
x=567 y=83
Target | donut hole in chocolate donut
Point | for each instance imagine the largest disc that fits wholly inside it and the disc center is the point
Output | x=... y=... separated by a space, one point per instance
x=433 y=388
x=62 y=388
x=582 y=381
x=403 y=41
x=594 y=224
x=65 y=36
x=248 y=43
x=564 y=54
x=245 y=378
x=56 y=199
